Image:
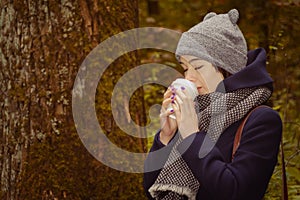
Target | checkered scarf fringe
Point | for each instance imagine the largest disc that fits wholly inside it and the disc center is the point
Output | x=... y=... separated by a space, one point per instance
x=216 y=111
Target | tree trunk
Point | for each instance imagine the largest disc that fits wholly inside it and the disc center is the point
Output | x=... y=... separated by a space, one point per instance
x=153 y=7
x=42 y=44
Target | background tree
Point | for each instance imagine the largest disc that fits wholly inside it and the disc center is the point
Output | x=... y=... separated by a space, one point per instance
x=42 y=44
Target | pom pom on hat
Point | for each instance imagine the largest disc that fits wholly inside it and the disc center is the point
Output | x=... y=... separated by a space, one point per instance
x=218 y=40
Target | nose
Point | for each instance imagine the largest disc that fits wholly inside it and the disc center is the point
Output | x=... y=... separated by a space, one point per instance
x=189 y=76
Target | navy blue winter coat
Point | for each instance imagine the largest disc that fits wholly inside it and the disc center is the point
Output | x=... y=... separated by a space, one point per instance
x=246 y=177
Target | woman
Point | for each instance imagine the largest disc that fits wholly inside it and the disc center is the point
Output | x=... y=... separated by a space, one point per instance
x=197 y=159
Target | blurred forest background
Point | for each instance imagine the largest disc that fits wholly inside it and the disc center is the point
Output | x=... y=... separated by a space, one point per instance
x=43 y=43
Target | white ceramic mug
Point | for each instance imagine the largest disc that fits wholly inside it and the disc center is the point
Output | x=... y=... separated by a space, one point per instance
x=189 y=86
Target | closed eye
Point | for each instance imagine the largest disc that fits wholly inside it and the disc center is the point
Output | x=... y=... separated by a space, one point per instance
x=199 y=67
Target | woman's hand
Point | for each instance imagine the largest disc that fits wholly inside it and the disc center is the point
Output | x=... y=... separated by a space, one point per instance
x=168 y=125
x=186 y=116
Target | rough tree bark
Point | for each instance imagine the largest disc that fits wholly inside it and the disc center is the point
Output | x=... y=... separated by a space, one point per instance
x=42 y=44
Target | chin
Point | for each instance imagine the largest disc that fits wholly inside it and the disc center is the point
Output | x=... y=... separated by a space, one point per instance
x=202 y=91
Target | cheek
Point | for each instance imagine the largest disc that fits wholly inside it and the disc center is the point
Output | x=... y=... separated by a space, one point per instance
x=206 y=73
x=195 y=77
x=198 y=79
x=212 y=79
x=200 y=82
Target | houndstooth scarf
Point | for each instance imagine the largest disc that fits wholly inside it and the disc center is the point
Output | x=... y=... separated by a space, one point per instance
x=216 y=112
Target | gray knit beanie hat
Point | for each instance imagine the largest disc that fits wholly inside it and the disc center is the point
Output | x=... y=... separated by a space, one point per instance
x=218 y=40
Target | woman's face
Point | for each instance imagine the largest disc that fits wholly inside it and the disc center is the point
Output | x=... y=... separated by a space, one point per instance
x=202 y=73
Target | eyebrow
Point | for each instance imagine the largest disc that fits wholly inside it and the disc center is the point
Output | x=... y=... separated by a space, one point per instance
x=194 y=59
x=197 y=67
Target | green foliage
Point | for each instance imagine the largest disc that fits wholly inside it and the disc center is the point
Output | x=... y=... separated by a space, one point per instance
x=290 y=141
x=284 y=60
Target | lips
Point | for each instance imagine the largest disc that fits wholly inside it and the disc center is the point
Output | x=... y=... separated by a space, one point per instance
x=199 y=89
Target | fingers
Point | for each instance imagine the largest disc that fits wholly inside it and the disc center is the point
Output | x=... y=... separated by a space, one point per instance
x=182 y=93
x=166 y=113
x=169 y=98
x=167 y=102
x=177 y=111
x=185 y=113
x=168 y=122
x=183 y=99
x=185 y=104
x=177 y=98
x=168 y=93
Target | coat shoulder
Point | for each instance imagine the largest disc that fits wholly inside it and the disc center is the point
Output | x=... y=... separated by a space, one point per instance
x=265 y=116
x=265 y=112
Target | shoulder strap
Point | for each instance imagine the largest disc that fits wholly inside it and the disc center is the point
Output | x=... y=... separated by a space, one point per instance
x=239 y=132
x=236 y=144
x=283 y=175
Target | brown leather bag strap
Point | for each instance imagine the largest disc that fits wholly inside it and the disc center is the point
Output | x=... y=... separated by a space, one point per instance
x=239 y=132
x=236 y=144
x=285 y=195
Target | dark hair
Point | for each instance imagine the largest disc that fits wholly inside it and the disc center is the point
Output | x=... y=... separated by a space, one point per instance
x=224 y=72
